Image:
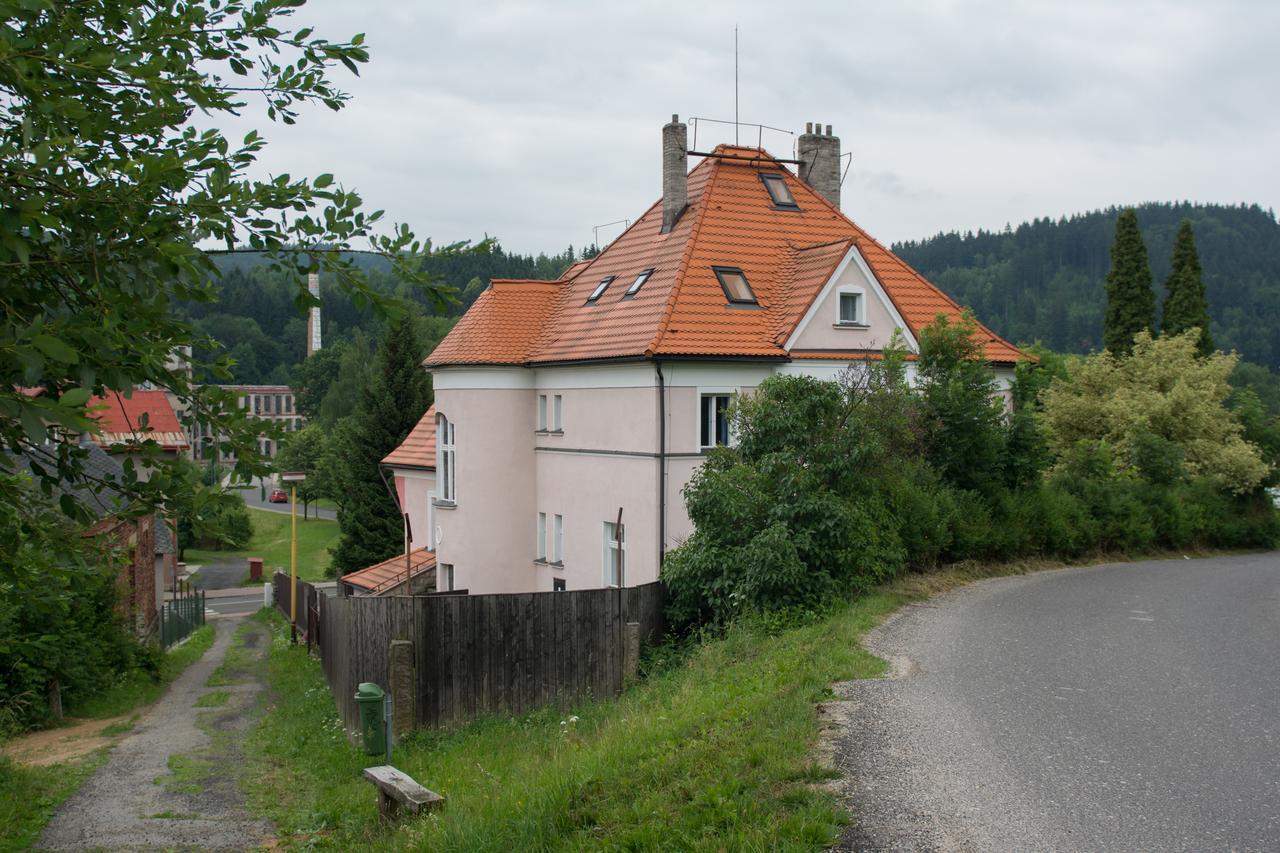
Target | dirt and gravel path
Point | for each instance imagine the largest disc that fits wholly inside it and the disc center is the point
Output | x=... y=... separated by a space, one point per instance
x=1120 y=707
x=174 y=781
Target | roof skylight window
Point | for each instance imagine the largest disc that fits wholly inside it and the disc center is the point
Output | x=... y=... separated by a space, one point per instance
x=600 y=288
x=734 y=283
x=638 y=283
x=779 y=191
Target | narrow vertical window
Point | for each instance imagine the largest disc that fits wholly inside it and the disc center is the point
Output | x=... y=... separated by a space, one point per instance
x=542 y=536
x=447 y=458
x=542 y=412
x=557 y=541
x=713 y=426
x=557 y=406
x=444 y=582
x=614 y=549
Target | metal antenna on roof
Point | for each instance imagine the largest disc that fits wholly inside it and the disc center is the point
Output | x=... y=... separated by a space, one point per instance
x=595 y=231
x=735 y=84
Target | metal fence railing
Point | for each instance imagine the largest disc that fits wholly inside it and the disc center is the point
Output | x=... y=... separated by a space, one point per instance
x=181 y=615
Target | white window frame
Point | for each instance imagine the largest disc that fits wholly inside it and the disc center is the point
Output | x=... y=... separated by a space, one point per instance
x=703 y=395
x=447 y=459
x=557 y=539
x=542 y=413
x=542 y=536
x=861 y=292
x=444 y=578
x=557 y=411
x=613 y=547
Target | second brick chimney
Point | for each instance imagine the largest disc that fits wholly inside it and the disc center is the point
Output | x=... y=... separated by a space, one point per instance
x=819 y=156
x=675 y=172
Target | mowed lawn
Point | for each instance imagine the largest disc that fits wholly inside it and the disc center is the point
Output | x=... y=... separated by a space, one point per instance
x=270 y=541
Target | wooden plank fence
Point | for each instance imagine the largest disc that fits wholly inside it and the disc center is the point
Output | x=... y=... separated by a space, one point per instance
x=478 y=654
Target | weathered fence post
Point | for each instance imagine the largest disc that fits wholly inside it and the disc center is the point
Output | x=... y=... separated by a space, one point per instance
x=630 y=652
x=404 y=686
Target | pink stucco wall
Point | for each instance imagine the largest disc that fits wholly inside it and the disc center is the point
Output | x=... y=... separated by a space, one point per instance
x=604 y=457
x=482 y=536
x=415 y=487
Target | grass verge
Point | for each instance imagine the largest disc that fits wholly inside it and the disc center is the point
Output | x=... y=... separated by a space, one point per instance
x=713 y=750
x=30 y=795
x=271 y=540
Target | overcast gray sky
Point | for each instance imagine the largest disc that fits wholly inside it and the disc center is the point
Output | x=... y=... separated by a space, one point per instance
x=532 y=122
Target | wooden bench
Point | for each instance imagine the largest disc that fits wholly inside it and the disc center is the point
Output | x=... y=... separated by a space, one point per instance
x=396 y=790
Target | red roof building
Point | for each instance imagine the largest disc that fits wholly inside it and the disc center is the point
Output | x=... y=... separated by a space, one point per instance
x=128 y=419
x=570 y=413
x=389 y=576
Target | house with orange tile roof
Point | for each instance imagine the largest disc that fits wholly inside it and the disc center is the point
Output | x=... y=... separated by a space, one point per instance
x=127 y=419
x=570 y=413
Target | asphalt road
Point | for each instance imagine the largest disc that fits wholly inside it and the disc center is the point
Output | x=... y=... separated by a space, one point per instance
x=1122 y=707
x=253 y=496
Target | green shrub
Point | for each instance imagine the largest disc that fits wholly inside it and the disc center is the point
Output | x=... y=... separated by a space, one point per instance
x=834 y=487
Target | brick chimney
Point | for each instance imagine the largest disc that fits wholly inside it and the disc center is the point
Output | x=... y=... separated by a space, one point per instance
x=820 y=161
x=675 y=172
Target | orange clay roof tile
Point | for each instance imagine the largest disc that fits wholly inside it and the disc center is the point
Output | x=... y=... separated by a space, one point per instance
x=120 y=418
x=389 y=573
x=786 y=256
x=418 y=450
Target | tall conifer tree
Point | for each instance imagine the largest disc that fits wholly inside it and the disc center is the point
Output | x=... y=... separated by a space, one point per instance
x=1185 y=306
x=372 y=528
x=1131 y=301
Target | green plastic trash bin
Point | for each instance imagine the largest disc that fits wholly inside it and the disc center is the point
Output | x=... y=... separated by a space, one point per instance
x=370 y=698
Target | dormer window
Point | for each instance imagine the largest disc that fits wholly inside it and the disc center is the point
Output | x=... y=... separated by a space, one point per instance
x=779 y=191
x=734 y=283
x=600 y=288
x=638 y=283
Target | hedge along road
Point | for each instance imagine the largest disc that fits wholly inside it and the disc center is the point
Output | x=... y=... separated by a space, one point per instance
x=1121 y=707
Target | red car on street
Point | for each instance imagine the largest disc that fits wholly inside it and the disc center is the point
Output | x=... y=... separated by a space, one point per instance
x=278 y=496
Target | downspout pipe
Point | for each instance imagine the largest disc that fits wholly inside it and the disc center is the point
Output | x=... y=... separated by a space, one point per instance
x=662 y=465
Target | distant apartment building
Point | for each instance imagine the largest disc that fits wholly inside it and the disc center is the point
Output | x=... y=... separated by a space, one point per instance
x=273 y=403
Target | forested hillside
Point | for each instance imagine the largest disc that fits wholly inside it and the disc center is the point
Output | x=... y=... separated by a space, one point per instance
x=1040 y=281
x=1044 y=279
x=256 y=319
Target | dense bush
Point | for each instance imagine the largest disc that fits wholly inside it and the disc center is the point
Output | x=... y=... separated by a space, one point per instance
x=58 y=621
x=833 y=487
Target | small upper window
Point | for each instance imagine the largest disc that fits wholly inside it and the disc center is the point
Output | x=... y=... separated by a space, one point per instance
x=779 y=191
x=601 y=288
x=851 y=309
x=638 y=283
x=735 y=285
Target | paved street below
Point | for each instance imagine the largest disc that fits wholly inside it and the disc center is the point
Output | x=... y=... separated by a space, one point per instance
x=1120 y=707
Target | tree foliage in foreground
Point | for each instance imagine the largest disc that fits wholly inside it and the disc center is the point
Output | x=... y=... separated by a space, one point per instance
x=835 y=486
x=116 y=192
x=113 y=202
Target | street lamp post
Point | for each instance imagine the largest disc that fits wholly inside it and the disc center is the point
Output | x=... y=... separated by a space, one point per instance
x=293 y=478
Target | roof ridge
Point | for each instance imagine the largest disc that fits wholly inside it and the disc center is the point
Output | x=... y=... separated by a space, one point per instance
x=687 y=254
